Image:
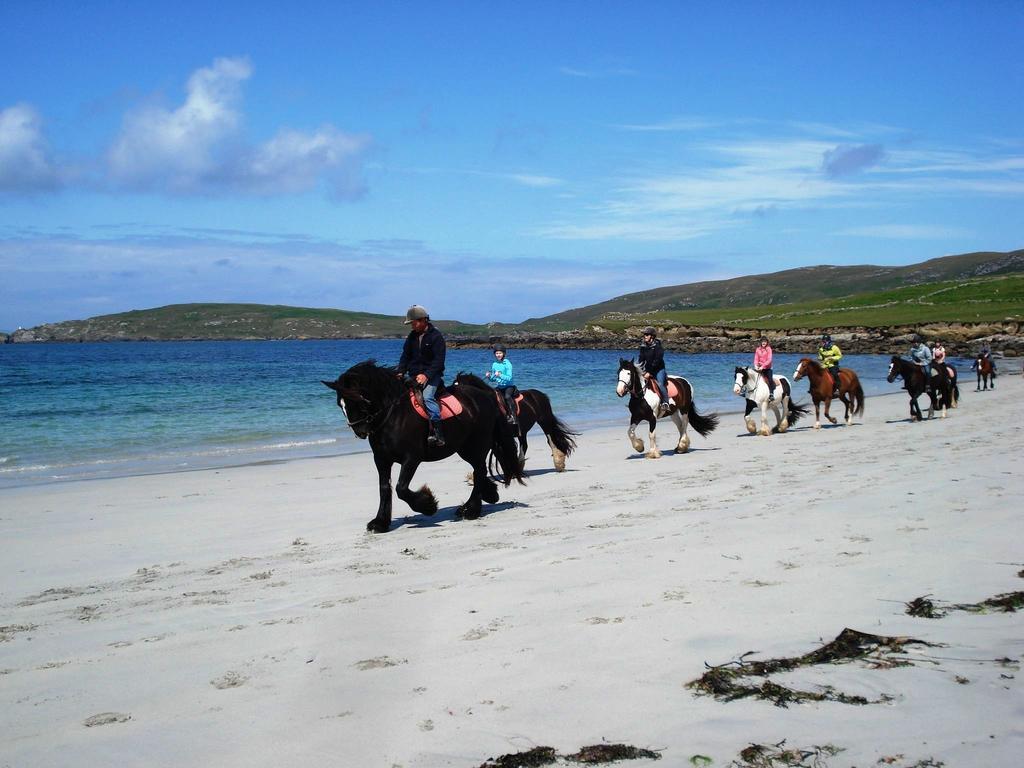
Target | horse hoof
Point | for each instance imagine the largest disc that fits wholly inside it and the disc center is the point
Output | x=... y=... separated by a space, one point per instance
x=638 y=446
x=653 y=454
x=765 y=432
x=751 y=427
x=817 y=425
x=468 y=513
x=377 y=527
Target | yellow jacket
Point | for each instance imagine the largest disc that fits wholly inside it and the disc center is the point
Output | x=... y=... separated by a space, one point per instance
x=829 y=356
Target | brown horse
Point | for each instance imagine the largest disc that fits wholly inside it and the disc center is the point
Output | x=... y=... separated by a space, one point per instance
x=986 y=372
x=850 y=390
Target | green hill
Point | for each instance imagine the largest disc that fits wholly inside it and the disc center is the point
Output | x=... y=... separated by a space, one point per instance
x=806 y=284
x=231 y=321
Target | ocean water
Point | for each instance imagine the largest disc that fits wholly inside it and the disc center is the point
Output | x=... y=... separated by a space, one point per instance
x=80 y=411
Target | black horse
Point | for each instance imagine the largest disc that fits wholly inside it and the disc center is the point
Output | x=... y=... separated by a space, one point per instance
x=937 y=386
x=534 y=408
x=378 y=407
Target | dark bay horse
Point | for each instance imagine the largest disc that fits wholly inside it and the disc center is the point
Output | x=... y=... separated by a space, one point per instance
x=378 y=407
x=939 y=389
x=986 y=372
x=850 y=391
x=534 y=408
x=643 y=406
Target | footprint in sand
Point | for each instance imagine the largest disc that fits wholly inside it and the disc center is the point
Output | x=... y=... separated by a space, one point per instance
x=379 y=662
x=229 y=679
x=106 y=718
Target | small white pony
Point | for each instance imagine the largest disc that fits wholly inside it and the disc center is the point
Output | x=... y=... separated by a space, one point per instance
x=752 y=385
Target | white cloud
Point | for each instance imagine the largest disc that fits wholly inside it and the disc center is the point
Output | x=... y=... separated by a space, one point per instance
x=25 y=161
x=199 y=147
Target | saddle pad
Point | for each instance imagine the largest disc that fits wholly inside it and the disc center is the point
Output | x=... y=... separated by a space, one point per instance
x=501 y=401
x=450 y=406
x=673 y=390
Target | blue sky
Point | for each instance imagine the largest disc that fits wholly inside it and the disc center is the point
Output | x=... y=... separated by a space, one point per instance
x=492 y=161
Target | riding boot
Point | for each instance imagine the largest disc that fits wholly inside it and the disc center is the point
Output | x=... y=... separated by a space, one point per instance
x=436 y=436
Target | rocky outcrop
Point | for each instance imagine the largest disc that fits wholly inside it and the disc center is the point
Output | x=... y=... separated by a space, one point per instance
x=960 y=339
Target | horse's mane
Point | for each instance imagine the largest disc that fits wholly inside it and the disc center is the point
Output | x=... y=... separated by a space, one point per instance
x=471 y=380
x=369 y=375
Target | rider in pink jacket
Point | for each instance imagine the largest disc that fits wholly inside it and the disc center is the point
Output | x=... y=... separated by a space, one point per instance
x=763 y=363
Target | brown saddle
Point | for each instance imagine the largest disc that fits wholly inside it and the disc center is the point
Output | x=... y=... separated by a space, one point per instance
x=501 y=402
x=673 y=390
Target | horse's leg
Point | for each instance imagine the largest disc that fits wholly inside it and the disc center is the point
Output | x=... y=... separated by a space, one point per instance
x=652 y=449
x=783 y=417
x=483 y=488
x=557 y=456
x=636 y=442
x=382 y=522
x=845 y=397
x=423 y=500
x=681 y=421
x=523 y=445
x=828 y=404
x=817 y=413
x=764 y=419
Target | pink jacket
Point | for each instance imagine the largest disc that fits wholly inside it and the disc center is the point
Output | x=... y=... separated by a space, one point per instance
x=939 y=353
x=763 y=357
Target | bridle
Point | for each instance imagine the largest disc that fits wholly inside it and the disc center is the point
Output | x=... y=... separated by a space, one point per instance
x=384 y=413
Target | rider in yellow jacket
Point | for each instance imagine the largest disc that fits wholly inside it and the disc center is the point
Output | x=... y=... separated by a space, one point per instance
x=830 y=355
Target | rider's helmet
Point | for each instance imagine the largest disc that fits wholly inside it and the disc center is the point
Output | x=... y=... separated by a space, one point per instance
x=763 y=340
x=649 y=331
x=826 y=339
x=917 y=338
x=499 y=348
x=416 y=312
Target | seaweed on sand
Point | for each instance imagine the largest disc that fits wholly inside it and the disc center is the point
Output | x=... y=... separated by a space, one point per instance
x=778 y=756
x=530 y=759
x=728 y=682
x=1007 y=602
x=597 y=753
x=609 y=753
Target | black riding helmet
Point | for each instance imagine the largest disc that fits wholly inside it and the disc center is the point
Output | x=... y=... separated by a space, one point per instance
x=826 y=338
x=499 y=348
x=648 y=331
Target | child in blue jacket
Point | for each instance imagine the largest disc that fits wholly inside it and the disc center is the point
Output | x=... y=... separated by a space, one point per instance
x=501 y=375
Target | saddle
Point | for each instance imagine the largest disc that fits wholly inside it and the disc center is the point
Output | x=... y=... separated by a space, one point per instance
x=673 y=390
x=501 y=403
x=450 y=405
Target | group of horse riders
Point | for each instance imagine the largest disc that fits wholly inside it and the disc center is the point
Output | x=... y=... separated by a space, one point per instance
x=424 y=351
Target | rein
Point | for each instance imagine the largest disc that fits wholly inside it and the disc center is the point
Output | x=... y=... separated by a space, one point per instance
x=369 y=418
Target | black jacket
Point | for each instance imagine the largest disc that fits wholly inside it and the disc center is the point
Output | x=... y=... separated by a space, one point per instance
x=652 y=357
x=424 y=353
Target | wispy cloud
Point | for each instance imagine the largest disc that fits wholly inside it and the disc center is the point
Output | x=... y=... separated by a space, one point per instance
x=597 y=72
x=199 y=148
x=672 y=125
x=761 y=167
x=906 y=232
x=26 y=163
x=64 y=278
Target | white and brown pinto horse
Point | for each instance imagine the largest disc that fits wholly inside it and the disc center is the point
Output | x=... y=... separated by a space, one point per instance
x=751 y=384
x=644 y=406
x=850 y=391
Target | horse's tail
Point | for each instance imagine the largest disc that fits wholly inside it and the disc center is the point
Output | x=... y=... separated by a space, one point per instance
x=704 y=425
x=795 y=412
x=857 y=392
x=558 y=431
x=505 y=450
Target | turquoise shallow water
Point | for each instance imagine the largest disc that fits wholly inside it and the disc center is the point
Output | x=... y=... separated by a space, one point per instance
x=77 y=411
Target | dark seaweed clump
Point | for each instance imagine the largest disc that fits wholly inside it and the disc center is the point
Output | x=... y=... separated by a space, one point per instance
x=1008 y=602
x=592 y=755
x=778 y=756
x=729 y=682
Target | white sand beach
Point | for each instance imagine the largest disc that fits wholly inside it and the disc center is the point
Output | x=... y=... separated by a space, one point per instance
x=243 y=617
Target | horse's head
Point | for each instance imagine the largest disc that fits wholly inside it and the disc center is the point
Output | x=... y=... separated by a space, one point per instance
x=801 y=368
x=470 y=380
x=894 y=369
x=740 y=380
x=364 y=391
x=627 y=377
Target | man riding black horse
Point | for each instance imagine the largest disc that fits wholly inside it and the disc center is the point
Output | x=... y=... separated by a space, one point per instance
x=423 y=359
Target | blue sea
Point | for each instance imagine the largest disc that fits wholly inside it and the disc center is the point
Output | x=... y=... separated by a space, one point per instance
x=81 y=411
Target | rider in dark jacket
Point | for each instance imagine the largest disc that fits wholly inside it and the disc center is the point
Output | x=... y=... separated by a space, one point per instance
x=423 y=359
x=652 y=361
